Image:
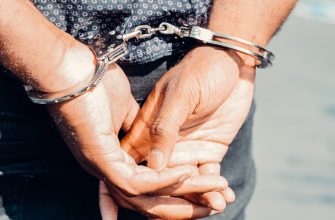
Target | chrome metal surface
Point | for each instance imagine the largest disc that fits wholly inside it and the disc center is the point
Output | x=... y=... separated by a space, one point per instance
x=206 y=36
x=114 y=53
x=131 y=35
x=43 y=98
x=167 y=28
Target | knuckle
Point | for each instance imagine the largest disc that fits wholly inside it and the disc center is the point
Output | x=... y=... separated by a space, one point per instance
x=172 y=85
x=157 y=90
x=158 y=129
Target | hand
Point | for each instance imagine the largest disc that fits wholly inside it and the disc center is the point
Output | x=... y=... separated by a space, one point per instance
x=206 y=156
x=191 y=99
x=207 y=96
x=204 y=98
x=162 y=207
x=183 y=154
x=90 y=124
x=152 y=206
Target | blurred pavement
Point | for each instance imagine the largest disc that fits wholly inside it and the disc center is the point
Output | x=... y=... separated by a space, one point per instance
x=294 y=138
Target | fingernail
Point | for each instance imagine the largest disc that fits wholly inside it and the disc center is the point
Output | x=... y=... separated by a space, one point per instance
x=216 y=202
x=229 y=195
x=155 y=160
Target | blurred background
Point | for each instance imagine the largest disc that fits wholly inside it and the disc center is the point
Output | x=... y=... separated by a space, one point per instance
x=294 y=138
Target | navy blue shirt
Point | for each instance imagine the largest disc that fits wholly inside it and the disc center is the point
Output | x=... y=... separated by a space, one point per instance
x=29 y=142
x=91 y=21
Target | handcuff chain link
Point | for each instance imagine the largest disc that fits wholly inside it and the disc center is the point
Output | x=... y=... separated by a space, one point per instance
x=140 y=32
x=206 y=36
x=114 y=53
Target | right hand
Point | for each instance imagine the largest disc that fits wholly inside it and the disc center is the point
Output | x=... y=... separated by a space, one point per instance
x=205 y=158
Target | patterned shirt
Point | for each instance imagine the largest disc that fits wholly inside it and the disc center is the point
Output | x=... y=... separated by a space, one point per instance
x=93 y=21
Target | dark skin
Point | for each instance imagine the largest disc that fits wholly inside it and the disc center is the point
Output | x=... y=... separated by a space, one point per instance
x=207 y=96
x=52 y=61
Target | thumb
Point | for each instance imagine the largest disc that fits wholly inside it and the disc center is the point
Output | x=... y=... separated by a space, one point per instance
x=164 y=131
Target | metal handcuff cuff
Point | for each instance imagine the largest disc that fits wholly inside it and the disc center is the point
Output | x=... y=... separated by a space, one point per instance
x=114 y=53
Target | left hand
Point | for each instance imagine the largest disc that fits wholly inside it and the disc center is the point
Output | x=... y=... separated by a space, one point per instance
x=202 y=100
x=163 y=206
x=207 y=96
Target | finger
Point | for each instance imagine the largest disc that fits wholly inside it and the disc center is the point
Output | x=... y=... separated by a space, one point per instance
x=172 y=114
x=210 y=169
x=229 y=195
x=163 y=207
x=118 y=197
x=176 y=208
x=133 y=110
x=137 y=140
x=197 y=152
x=131 y=151
x=214 y=200
x=108 y=207
x=120 y=170
x=148 y=181
x=194 y=198
x=196 y=184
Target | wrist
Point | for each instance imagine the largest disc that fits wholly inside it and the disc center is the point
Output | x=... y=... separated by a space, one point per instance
x=223 y=57
x=219 y=54
x=75 y=66
x=247 y=30
x=243 y=60
x=248 y=52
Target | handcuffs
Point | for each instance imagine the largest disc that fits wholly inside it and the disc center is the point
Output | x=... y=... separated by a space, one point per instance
x=115 y=52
